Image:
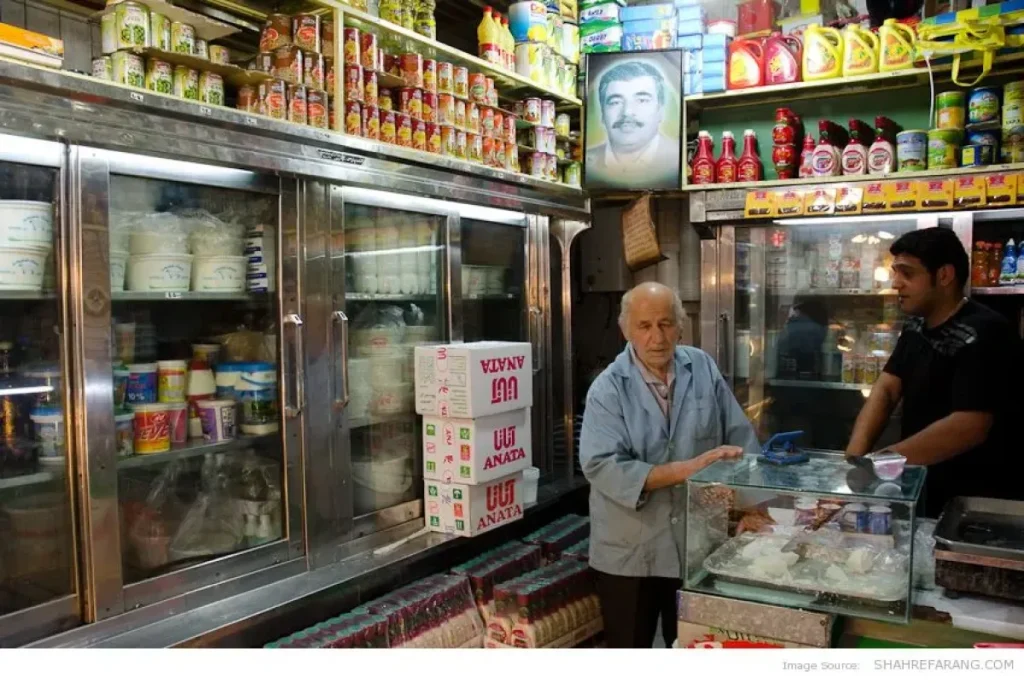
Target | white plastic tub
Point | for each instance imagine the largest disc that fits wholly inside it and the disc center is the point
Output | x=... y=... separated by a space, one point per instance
x=218 y=273
x=208 y=243
x=531 y=475
x=26 y=223
x=149 y=243
x=23 y=267
x=159 y=273
x=118 y=261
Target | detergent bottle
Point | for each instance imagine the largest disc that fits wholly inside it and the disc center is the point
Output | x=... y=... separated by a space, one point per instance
x=860 y=51
x=823 y=52
x=896 y=46
x=782 y=55
x=746 y=63
x=489 y=38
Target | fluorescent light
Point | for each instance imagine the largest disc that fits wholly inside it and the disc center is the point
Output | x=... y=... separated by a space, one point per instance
x=19 y=391
x=858 y=219
x=881 y=274
x=886 y=235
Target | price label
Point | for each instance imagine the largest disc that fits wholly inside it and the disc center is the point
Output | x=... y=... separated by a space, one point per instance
x=137 y=96
x=251 y=121
x=172 y=295
x=205 y=111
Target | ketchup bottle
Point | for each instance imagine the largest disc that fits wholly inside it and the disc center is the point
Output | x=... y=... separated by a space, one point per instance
x=749 y=168
x=806 y=157
x=727 y=166
x=704 y=160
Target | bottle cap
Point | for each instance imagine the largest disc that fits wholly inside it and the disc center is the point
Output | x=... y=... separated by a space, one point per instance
x=749 y=131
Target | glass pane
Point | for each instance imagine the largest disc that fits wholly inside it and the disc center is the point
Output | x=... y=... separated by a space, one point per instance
x=831 y=321
x=195 y=333
x=493 y=281
x=36 y=543
x=392 y=276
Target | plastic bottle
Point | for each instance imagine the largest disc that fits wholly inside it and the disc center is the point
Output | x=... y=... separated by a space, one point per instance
x=1008 y=273
x=994 y=264
x=201 y=386
x=882 y=155
x=855 y=156
x=979 y=265
x=746 y=63
x=510 y=45
x=807 y=157
x=726 y=168
x=703 y=163
x=825 y=160
x=487 y=35
x=749 y=168
x=782 y=57
x=1020 y=271
x=896 y=46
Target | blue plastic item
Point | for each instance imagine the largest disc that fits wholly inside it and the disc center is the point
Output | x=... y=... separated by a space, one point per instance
x=781 y=450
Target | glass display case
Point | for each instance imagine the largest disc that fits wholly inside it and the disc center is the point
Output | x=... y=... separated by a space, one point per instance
x=824 y=535
x=494 y=258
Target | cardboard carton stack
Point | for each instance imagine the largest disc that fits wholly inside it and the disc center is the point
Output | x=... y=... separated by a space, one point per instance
x=475 y=401
x=704 y=54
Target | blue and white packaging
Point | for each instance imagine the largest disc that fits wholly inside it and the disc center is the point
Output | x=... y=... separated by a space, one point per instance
x=607 y=12
x=643 y=42
x=692 y=27
x=694 y=42
x=686 y=3
x=692 y=84
x=717 y=40
x=712 y=69
x=648 y=26
x=713 y=83
x=692 y=13
x=691 y=61
x=664 y=10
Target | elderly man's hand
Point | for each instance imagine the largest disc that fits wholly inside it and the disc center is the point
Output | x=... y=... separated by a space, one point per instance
x=720 y=453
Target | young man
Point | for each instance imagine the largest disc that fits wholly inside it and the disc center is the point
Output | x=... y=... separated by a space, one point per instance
x=955 y=369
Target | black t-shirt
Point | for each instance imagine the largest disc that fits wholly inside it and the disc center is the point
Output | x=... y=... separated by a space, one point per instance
x=968 y=363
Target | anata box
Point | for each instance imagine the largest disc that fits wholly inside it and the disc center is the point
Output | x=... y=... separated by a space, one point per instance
x=466 y=510
x=473 y=451
x=473 y=380
x=695 y=636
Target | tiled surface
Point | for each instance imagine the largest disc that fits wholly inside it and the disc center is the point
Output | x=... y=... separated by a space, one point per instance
x=81 y=39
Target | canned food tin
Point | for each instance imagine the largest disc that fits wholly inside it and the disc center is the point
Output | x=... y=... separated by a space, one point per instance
x=371 y=122
x=430 y=107
x=976 y=155
x=572 y=174
x=264 y=62
x=512 y=156
x=353 y=83
x=532 y=110
x=445 y=110
x=461 y=144
x=430 y=75
x=510 y=128
x=460 y=81
x=368 y=52
x=219 y=54
x=445 y=76
x=983 y=105
x=277 y=32
x=332 y=108
x=387 y=127
x=949 y=110
x=473 y=117
x=912 y=150
x=411 y=102
x=128 y=69
x=547 y=113
x=351 y=46
x=403 y=130
x=186 y=83
x=433 y=138
x=879 y=520
x=159 y=76
x=103 y=67
x=537 y=166
x=160 y=31
x=329 y=76
x=273 y=98
x=298 y=108
x=1012 y=153
x=943 y=148
x=460 y=114
x=327 y=36
x=288 y=64
x=385 y=100
x=127 y=27
x=411 y=64
x=487 y=150
x=1013 y=115
x=313 y=70
x=478 y=88
x=201 y=49
x=419 y=135
x=353 y=118
x=183 y=38
x=474 y=148
x=1013 y=136
x=499 y=153
x=316 y=109
x=393 y=65
x=492 y=93
x=1013 y=93
x=499 y=125
x=486 y=121
x=562 y=125
x=530 y=60
x=306 y=32
x=990 y=138
x=448 y=140
x=371 y=92
x=248 y=100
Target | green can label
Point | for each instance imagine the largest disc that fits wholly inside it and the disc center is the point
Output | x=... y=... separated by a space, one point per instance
x=160 y=31
x=186 y=83
x=131 y=22
x=128 y=69
x=159 y=77
x=183 y=38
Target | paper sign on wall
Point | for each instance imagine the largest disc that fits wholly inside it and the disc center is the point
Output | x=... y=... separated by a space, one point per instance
x=640 y=236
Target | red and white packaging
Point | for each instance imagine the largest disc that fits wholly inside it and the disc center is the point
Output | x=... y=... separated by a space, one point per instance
x=464 y=451
x=473 y=380
x=466 y=510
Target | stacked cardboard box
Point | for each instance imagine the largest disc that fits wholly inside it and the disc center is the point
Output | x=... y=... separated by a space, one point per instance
x=649 y=27
x=475 y=401
x=705 y=54
x=601 y=25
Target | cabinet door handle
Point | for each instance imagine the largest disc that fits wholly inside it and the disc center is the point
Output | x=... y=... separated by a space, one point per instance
x=297 y=377
x=726 y=362
x=538 y=356
x=339 y=317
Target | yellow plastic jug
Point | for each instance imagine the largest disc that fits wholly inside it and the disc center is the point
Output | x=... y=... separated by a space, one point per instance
x=860 y=51
x=823 y=53
x=896 y=49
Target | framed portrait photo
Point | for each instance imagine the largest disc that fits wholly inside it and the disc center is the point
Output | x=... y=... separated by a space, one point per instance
x=633 y=121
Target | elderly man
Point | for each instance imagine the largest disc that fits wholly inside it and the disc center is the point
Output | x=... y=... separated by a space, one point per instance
x=656 y=416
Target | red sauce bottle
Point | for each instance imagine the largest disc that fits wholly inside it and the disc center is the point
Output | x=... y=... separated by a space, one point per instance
x=806 y=157
x=727 y=166
x=704 y=160
x=749 y=169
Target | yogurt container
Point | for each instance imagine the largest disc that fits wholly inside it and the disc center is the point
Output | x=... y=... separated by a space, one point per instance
x=227 y=375
x=912 y=150
x=983 y=105
x=48 y=430
x=256 y=391
x=218 y=418
x=152 y=428
x=170 y=381
x=177 y=419
x=124 y=434
x=880 y=520
x=142 y=383
x=121 y=375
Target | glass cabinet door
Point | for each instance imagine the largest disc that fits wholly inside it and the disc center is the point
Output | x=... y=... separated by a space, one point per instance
x=394 y=267
x=493 y=279
x=37 y=543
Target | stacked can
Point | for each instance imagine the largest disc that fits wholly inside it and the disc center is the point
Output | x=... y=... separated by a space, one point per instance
x=1011 y=150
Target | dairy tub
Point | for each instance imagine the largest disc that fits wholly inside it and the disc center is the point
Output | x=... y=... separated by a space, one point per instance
x=219 y=419
x=160 y=273
x=118 y=261
x=23 y=267
x=26 y=224
x=219 y=273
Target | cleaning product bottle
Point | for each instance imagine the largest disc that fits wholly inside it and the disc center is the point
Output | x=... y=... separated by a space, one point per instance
x=782 y=54
x=882 y=155
x=807 y=157
x=725 y=169
x=746 y=63
x=749 y=168
x=510 y=45
x=825 y=160
x=704 y=160
x=823 y=53
x=487 y=35
x=860 y=51
x=896 y=46
x=855 y=156
x=1008 y=273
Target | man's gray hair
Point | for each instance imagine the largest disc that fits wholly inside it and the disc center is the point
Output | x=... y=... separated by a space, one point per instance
x=627 y=302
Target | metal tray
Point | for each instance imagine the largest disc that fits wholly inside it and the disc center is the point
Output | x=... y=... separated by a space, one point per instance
x=983 y=526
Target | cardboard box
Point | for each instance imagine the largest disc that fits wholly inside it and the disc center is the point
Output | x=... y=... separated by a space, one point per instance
x=464 y=451
x=466 y=510
x=695 y=636
x=473 y=380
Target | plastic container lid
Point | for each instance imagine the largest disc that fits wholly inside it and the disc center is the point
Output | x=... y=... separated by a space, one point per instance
x=46 y=414
x=172 y=364
x=124 y=417
x=228 y=367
